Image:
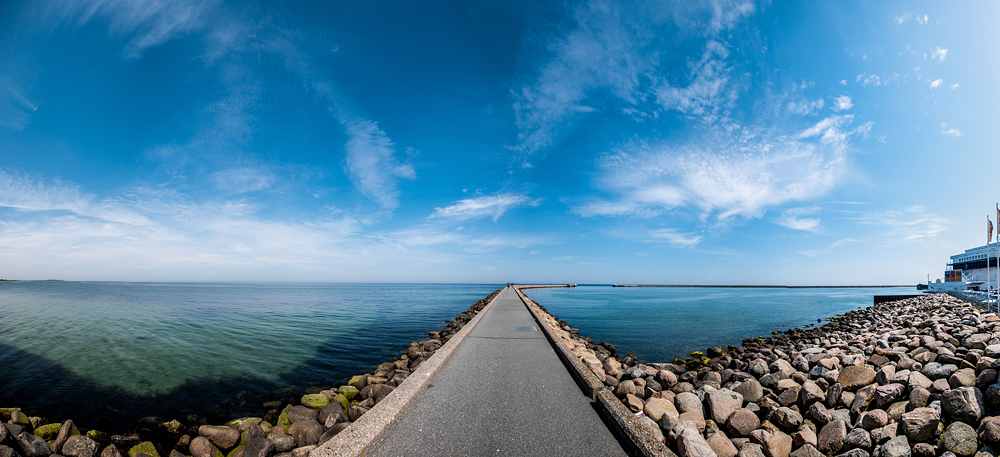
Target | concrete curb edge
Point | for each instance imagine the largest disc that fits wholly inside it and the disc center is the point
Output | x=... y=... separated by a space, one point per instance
x=623 y=422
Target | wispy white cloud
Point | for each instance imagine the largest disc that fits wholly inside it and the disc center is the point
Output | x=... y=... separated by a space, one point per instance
x=144 y=23
x=952 y=131
x=842 y=103
x=16 y=107
x=676 y=238
x=706 y=95
x=936 y=83
x=143 y=232
x=869 y=80
x=954 y=86
x=911 y=224
x=486 y=206
x=737 y=175
x=609 y=48
x=431 y=236
x=791 y=218
x=599 y=52
x=798 y=104
x=242 y=180
x=939 y=53
x=372 y=165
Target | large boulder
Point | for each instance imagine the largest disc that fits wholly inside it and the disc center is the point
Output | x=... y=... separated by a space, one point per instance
x=959 y=438
x=806 y=450
x=935 y=370
x=896 y=447
x=303 y=413
x=774 y=443
x=741 y=422
x=721 y=444
x=223 y=437
x=314 y=401
x=888 y=393
x=79 y=446
x=831 y=437
x=858 y=438
x=33 y=445
x=202 y=447
x=787 y=419
x=811 y=393
x=855 y=377
x=332 y=411
x=656 y=407
x=920 y=424
x=112 y=451
x=144 y=448
x=688 y=402
x=963 y=404
x=380 y=391
x=751 y=390
x=306 y=433
x=258 y=447
x=989 y=430
x=721 y=403
x=751 y=449
x=873 y=419
x=65 y=431
x=690 y=443
x=282 y=442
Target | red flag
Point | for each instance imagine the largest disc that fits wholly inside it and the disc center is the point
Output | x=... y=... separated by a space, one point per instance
x=989 y=230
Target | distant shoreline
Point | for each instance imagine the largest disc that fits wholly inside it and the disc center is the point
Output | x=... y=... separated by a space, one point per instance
x=761 y=287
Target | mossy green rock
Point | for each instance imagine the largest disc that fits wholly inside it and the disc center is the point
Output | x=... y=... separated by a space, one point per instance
x=242 y=423
x=349 y=392
x=343 y=401
x=5 y=413
x=355 y=380
x=144 y=447
x=18 y=417
x=238 y=451
x=173 y=426
x=283 y=420
x=314 y=401
x=48 y=431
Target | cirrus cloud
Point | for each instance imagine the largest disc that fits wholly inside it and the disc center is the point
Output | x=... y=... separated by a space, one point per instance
x=487 y=206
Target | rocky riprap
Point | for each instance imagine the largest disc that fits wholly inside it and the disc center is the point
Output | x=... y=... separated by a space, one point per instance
x=286 y=430
x=916 y=378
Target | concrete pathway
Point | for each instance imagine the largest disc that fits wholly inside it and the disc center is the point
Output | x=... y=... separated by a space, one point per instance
x=503 y=392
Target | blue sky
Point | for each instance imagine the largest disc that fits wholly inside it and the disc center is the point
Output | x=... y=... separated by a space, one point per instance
x=723 y=142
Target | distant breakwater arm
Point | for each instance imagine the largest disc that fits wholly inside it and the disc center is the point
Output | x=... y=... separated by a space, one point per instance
x=755 y=286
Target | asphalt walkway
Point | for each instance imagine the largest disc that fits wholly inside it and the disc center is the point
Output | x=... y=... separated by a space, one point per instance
x=503 y=392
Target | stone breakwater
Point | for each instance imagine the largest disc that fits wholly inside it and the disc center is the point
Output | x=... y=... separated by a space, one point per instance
x=285 y=430
x=913 y=378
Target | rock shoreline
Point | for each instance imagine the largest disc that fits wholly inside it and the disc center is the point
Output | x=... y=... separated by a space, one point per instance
x=913 y=378
x=291 y=429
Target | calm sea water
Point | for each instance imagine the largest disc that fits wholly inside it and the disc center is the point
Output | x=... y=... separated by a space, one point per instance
x=107 y=354
x=660 y=324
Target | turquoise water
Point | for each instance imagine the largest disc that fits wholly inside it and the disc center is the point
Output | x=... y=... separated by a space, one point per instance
x=660 y=324
x=107 y=353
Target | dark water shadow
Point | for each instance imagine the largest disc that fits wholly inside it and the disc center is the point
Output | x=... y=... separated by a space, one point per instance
x=43 y=388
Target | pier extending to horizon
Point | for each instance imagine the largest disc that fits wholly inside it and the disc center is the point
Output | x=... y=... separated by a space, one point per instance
x=500 y=389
